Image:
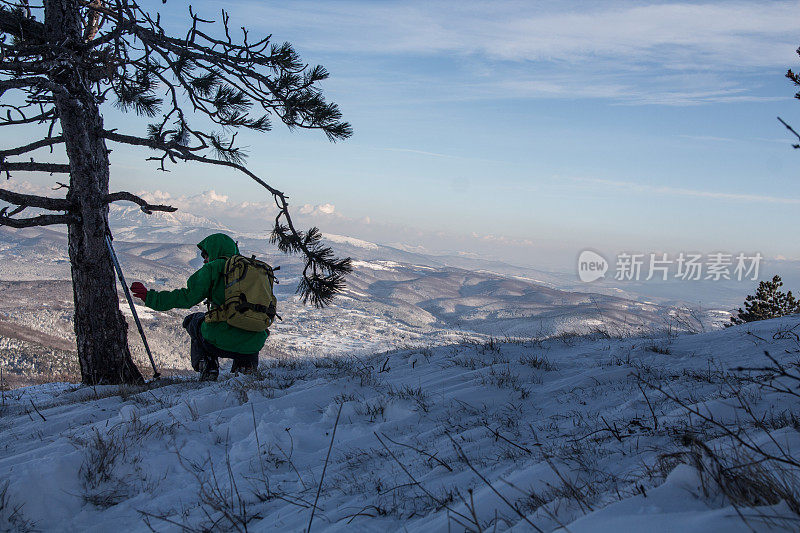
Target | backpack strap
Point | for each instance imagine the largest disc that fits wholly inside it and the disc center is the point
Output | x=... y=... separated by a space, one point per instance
x=216 y=313
x=244 y=305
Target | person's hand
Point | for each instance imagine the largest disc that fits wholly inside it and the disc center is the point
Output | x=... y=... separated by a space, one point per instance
x=139 y=290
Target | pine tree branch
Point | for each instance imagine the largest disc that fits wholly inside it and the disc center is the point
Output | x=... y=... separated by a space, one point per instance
x=106 y=38
x=185 y=153
x=47 y=115
x=148 y=208
x=93 y=20
x=48 y=141
x=27 y=66
x=276 y=80
x=316 y=286
x=33 y=166
x=41 y=220
x=21 y=26
x=30 y=81
x=788 y=127
x=32 y=200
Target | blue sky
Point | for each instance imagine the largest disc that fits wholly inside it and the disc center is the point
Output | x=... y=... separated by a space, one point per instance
x=528 y=131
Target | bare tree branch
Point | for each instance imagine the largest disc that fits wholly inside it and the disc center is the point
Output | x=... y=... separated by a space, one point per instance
x=20 y=26
x=93 y=21
x=33 y=166
x=788 y=127
x=41 y=220
x=146 y=207
x=40 y=118
x=31 y=81
x=32 y=200
x=47 y=141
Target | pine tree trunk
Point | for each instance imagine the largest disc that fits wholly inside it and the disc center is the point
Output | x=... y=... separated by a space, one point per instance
x=100 y=328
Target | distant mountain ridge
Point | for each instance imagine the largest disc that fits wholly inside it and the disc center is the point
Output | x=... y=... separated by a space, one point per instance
x=131 y=224
x=120 y=214
x=393 y=298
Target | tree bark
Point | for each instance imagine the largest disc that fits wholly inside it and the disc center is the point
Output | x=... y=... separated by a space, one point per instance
x=100 y=328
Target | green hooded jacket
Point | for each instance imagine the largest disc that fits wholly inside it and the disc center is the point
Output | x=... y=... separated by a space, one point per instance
x=209 y=282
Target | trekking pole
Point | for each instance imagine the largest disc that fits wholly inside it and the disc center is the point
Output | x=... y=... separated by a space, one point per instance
x=118 y=268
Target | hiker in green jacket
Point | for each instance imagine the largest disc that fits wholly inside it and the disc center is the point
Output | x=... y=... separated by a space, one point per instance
x=209 y=340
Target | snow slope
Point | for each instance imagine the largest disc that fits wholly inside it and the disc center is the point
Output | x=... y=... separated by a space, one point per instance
x=516 y=436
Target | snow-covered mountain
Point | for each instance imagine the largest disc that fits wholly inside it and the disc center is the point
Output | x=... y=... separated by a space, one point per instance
x=132 y=215
x=575 y=434
x=393 y=298
x=130 y=224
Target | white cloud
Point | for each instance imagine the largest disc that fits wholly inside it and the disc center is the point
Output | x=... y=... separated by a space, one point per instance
x=317 y=210
x=502 y=239
x=420 y=152
x=245 y=215
x=676 y=53
x=212 y=197
x=674 y=34
x=327 y=209
x=157 y=196
x=257 y=216
x=679 y=191
x=197 y=202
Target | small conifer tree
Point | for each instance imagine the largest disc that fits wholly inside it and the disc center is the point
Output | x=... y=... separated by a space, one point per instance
x=768 y=302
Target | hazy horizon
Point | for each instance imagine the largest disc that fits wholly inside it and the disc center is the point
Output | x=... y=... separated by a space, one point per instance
x=526 y=132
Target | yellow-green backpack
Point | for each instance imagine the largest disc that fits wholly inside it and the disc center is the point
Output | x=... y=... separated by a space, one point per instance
x=249 y=301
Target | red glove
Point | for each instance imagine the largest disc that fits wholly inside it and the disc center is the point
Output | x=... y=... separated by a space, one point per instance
x=139 y=290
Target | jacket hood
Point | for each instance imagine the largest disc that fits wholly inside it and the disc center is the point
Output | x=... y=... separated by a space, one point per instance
x=218 y=245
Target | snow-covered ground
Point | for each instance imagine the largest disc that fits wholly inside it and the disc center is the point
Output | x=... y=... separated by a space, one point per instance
x=518 y=436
